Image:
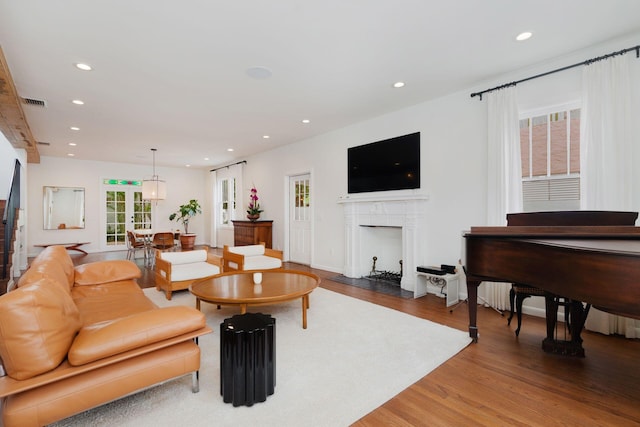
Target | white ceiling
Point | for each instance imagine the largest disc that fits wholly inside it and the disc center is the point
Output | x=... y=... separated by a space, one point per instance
x=172 y=74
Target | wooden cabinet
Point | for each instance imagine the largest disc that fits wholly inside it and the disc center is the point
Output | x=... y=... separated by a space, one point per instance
x=252 y=232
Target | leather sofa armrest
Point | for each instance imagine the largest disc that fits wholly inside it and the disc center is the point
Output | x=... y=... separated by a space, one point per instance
x=109 y=338
x=10 y=386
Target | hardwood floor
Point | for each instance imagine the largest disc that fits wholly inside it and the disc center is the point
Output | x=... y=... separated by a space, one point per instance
x=501 y=380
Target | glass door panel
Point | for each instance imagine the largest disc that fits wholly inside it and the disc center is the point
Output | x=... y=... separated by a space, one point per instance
x=141 y=211
x=115 y=232
x=124 y=210
x=300 y=219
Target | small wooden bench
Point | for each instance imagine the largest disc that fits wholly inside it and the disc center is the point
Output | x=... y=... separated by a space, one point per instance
x=68 y=246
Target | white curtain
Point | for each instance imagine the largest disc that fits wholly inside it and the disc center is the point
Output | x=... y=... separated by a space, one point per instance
x=504 y=186
x=215 y=201
x=237 y=172
x=606 y=157
x=230 y=172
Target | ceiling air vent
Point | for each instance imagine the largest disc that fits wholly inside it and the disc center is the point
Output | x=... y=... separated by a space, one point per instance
x=44 y=143
x=35 y=102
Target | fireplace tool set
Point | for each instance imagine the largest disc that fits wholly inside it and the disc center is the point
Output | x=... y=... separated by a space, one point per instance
x=390 y=276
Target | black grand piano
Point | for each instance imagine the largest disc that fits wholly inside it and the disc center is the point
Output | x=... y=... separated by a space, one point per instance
x=582 y=256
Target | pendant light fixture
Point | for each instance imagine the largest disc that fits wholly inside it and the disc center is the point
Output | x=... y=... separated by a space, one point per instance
x=154 y=188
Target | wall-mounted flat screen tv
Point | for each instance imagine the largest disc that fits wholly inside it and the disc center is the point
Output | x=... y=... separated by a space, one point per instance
x=391 y=164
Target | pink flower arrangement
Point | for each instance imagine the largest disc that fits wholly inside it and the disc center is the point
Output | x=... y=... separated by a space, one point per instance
x=254 y=206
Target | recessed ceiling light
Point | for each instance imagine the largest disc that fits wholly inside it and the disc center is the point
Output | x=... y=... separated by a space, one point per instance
x=306 y=121
x=188 y=166
x=83 y=67
x=398 y=84
x=70 y=154
x=206 y=158
x=229 y=149
x=72 y=144
x=74 y=128
x=259 y=72
x=78 y=102
x=524 y=36
x=265 y=136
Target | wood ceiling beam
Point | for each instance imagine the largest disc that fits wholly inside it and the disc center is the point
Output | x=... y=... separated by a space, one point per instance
x=13 y=123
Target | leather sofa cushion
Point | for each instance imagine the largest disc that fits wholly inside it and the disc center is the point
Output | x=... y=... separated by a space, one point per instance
x=37 y=326
x=95 y=273
x=110 y=301
x=187 y=257
x=49 y=270
x=53 y=256
x=109 y=338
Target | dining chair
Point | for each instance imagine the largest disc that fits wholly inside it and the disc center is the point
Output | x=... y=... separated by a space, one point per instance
x=134 y=244
x=163 y=241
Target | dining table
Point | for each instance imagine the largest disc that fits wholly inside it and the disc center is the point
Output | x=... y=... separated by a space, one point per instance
x=146 y=234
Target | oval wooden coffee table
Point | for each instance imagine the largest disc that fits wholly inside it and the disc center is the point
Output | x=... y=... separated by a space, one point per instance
x=238 y=288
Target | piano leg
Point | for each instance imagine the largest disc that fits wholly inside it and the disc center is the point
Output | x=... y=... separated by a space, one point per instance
x=512 y=298
x=519 y=300
x=472 y=297
x=551 y=309
x=577 y=316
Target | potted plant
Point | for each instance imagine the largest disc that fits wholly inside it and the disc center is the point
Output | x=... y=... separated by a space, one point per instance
x=184 y=214
x=253 y=210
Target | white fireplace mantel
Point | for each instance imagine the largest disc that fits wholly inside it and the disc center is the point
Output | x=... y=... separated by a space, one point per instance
x=381 y=198
x=405 y=211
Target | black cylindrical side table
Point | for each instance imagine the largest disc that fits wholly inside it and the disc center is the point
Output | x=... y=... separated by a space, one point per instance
x=247 y=358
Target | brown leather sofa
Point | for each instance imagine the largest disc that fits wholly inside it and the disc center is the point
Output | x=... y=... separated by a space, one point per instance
x=75 y=338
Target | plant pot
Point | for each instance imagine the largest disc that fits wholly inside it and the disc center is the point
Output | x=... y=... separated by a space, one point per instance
x=187 y=241
x=253 y=217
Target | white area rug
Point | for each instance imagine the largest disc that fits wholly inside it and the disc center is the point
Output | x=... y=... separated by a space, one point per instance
x=353 y=357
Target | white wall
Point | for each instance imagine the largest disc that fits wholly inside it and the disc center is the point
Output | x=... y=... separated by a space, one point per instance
x=8 y=156
x=182 y=185
x=453 y=140
x=453 y=155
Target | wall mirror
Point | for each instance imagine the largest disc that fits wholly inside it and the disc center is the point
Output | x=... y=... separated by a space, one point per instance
x=63 y=207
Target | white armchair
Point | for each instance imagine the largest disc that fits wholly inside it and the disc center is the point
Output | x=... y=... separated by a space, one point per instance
x=178 y=270
x=250 y=257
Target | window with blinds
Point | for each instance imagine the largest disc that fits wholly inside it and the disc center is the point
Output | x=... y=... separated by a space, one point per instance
x=550 y=151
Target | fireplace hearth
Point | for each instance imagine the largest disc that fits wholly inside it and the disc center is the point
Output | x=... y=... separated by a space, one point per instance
x=380 y=286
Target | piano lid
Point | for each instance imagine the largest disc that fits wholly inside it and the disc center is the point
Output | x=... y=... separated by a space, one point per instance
x=561 y=232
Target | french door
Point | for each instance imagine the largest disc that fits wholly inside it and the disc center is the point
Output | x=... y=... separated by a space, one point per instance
x=300 y=219
x=124 y=210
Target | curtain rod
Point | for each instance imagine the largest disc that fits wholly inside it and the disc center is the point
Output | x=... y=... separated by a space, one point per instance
x=232 y=164
x=587 y=62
